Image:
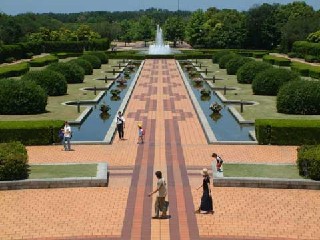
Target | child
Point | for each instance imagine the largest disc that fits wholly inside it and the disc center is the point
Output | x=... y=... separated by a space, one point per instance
x=140 y=133
x=219 y=161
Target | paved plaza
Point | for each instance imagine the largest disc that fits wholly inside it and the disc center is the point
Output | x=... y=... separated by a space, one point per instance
x=175 y=143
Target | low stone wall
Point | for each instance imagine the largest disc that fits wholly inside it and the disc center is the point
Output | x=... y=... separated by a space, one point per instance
x=266 y=183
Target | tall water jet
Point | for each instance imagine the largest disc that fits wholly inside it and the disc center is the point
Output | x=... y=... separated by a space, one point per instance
x=159 y=47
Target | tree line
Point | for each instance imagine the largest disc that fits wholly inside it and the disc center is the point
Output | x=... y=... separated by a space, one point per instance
x=266 y=26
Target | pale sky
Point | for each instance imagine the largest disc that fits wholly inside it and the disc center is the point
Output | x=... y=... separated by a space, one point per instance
x=13 y=7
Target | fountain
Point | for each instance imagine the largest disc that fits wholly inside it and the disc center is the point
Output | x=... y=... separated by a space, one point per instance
x=159 y=47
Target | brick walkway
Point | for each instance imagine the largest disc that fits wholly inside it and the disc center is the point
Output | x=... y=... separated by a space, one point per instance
x=174 y=143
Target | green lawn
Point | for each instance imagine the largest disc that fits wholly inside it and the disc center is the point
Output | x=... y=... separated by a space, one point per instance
x=63 y=171
x=261 y=170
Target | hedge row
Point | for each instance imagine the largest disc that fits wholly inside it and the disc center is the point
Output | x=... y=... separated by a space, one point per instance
x=306 y=70
x=279 y=61
x=24 y=50
x=287 y=131
x=30 y=132
x=64 y=55
x=304 y=48
x=14 y=70
x=308 y=161
x=43 y=61
x=13 y=161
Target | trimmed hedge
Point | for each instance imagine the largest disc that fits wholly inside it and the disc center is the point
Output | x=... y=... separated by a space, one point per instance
x=72 y=72
x=14 y=70
x=225 y=59
x=86 y=65
x=309 y=161
x=248 y=71
x=101 y=55
x=54 y=83
x=43 y=61
x=21 y=97
x=94 y=60
x=13 y=161
x=304 y=48
x=299 y=97
x=64 y=55
x=287 y=131
x=217 y=55
x=270 y=80
x=279 y=61
x=31 y=132
x=235 y=63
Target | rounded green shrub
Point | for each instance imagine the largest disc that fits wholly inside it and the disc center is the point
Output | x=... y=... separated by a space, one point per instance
x=217 y=55
x=235 y=63
x=54 y=83
x=72 y=72
x=270 y=80
x=94 y=60
x=101 y=55
x=299 y=97
x=309 y=161
x=86 y=65
x=21 y=97
x=225 y=59
x=13 y=161
x=248 y=71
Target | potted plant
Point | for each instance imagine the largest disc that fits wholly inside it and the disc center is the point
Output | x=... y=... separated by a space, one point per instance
x=215 y=107
x=205 y=94
x=115 y=94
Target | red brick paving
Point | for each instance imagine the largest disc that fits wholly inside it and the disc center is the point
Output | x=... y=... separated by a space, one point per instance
x=174 y=142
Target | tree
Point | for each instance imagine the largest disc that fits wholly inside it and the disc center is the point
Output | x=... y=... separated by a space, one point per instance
x=224 y=29
x=262 y=28
x=144 y=29
x=195 y=32
x=174 y=29
x=84 y=33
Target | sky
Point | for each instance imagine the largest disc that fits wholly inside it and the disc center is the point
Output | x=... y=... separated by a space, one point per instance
x=13 y=7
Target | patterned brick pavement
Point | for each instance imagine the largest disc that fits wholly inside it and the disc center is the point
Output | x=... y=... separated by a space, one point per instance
x=174 y=143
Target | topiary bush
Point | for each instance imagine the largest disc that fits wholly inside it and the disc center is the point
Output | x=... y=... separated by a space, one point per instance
x=299 y=97
x=235 y=63
x=13 y=161
x=309 y=161
x=72 y=72
x=270 y=80
x=86 y=65
x=101 y=55
x=217 y=55
x=248 y=71
x=54 y=83
x=21 y=97
x=94 y=60
x=225 y=59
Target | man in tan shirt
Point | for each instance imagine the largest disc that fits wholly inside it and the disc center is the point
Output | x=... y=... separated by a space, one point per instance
x=160 y=204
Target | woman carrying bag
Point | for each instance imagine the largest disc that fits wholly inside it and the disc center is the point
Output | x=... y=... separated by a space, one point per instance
x=206 y=205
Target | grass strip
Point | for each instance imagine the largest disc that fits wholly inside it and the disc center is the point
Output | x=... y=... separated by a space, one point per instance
x=261 y=170
x=62 y=171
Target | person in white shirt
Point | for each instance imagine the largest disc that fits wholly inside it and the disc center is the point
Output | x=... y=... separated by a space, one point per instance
x=66 y=136
x=120 y=125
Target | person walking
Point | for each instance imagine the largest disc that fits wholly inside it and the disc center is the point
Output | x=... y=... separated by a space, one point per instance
x=140 y=134
x=160 y=203
x=219 y=162
x=120 y=125
x=206 y=205
x=67 y=136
